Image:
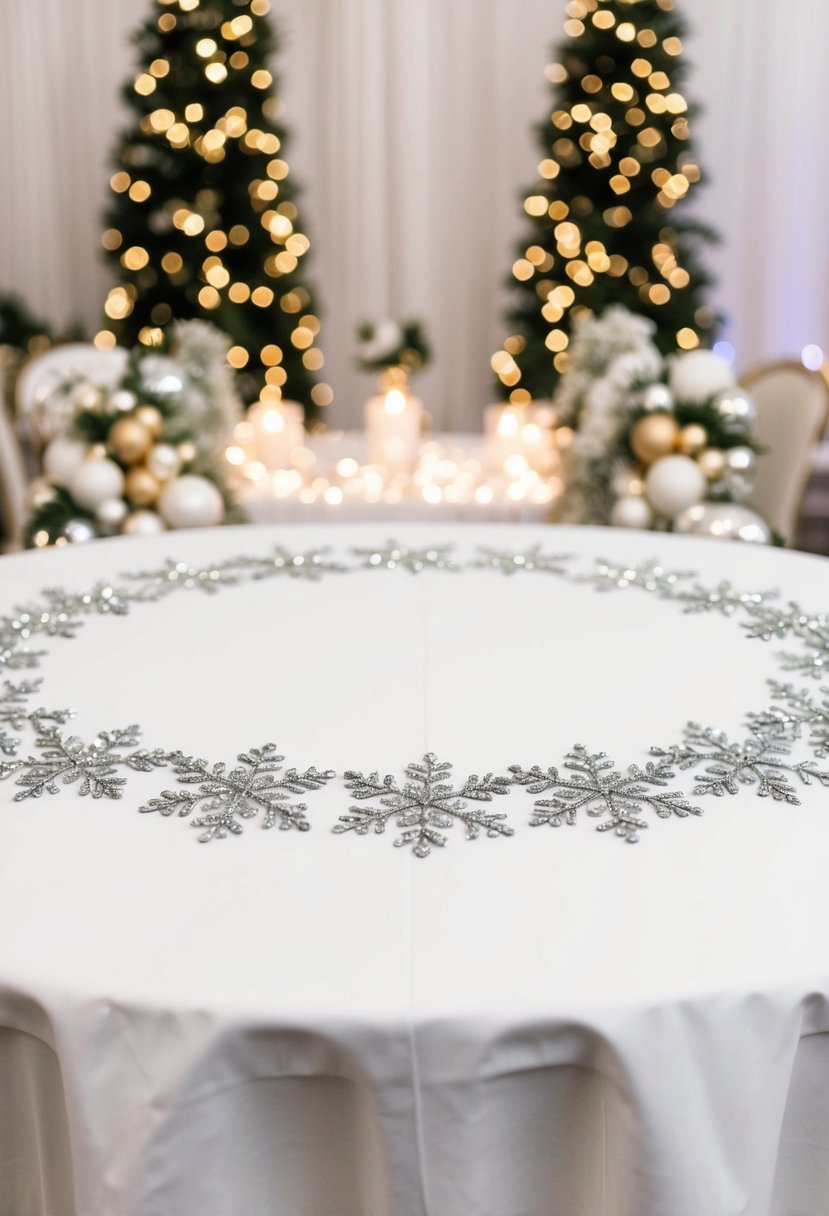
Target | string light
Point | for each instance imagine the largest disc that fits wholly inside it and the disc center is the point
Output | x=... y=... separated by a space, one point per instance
x=149 y=260
x=621 y=119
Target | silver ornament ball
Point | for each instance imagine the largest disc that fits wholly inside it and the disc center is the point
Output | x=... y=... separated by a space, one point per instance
x=161 y=375
x=79 y=531
x=741 y=460
x=736 y=410
x=724 y=521
x=657 y=397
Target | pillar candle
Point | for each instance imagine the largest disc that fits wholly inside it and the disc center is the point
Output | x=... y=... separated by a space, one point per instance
x=393 y=430
x=277 y=432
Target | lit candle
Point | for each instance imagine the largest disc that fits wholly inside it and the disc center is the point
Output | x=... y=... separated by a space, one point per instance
x=277 y=432
x=393 y=430
x=511 y=430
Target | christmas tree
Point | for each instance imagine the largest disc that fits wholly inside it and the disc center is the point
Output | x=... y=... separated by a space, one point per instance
x=617 y=168
x=203 y=220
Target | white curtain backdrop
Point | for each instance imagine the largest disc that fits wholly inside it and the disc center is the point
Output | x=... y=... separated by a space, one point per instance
x=412 y=136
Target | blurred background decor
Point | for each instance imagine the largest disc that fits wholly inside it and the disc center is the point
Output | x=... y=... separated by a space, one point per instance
x=410 y=170
x=140 y=453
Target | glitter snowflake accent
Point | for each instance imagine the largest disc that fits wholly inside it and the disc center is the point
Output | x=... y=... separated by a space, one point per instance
x=15 y=713
x=723 y=598
x=180 y=576
x=650 y=576
x=67 y=760
x=531 y=559
x=309 y=564
x=761 y=761
x=601 y=790
x=799 y=710
x=424 y=804
x=413 y=560
x=230 y=795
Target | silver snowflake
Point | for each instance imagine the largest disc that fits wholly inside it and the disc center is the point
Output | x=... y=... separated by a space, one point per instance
x=15 y=713
x=509 y=561
x=761 y=761
x=798 y=710
x=14 y=657
x=309 y=564
x=69 y=760
x=599 y=788
x=724 y=598
x=180 y=576
x=230 y=795
x=813 y=660
x=60 y=613
x=773 y=621
x=424 y=804
x=392 y=555
x=649 y=575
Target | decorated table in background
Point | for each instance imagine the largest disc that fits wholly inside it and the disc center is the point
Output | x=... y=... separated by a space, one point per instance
x=199 y=1015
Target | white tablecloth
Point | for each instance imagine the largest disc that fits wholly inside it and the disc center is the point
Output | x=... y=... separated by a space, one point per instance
x=556 y=1023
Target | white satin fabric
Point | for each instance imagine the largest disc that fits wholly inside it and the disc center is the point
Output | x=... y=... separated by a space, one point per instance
x=306 y=1024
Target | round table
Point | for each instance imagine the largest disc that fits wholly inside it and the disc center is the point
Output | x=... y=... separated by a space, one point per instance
x=541 y=1019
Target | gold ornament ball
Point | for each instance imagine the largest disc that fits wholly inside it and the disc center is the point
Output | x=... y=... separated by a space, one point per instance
x=712 y=462
x=653 y=437
x=187 y=452
x=151 y=418
x=141 y=488
x=692 y=439
x=129 y=441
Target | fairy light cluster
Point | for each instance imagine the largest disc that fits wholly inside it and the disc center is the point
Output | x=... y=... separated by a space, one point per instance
x=204 y=180
x=445 y=474
x=617 y=161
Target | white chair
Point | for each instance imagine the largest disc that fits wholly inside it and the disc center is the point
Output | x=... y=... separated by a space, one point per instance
x=12 y=473
x=42 y=410
x=792 y=410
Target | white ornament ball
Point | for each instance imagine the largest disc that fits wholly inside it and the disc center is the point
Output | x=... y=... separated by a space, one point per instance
x=163 y=461
x=191 y=502
x=86 y=396
x=725 y=521
x=40 y=493
x=62 y=457
x=674 y=483
x=79 y=531
x=123 y=400
x=111 y=514
x=631 y=511
x=94 y=481
x=697 y=375
x=142 y=523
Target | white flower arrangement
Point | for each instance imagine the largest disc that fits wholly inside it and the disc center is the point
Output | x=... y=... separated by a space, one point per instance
x=609 y=357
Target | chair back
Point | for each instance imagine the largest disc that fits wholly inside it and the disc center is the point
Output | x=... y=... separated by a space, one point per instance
x=13 y=477
x=792 y=410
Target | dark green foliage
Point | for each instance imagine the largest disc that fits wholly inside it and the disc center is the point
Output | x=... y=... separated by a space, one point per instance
x=235 y=188
x=638 y=237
